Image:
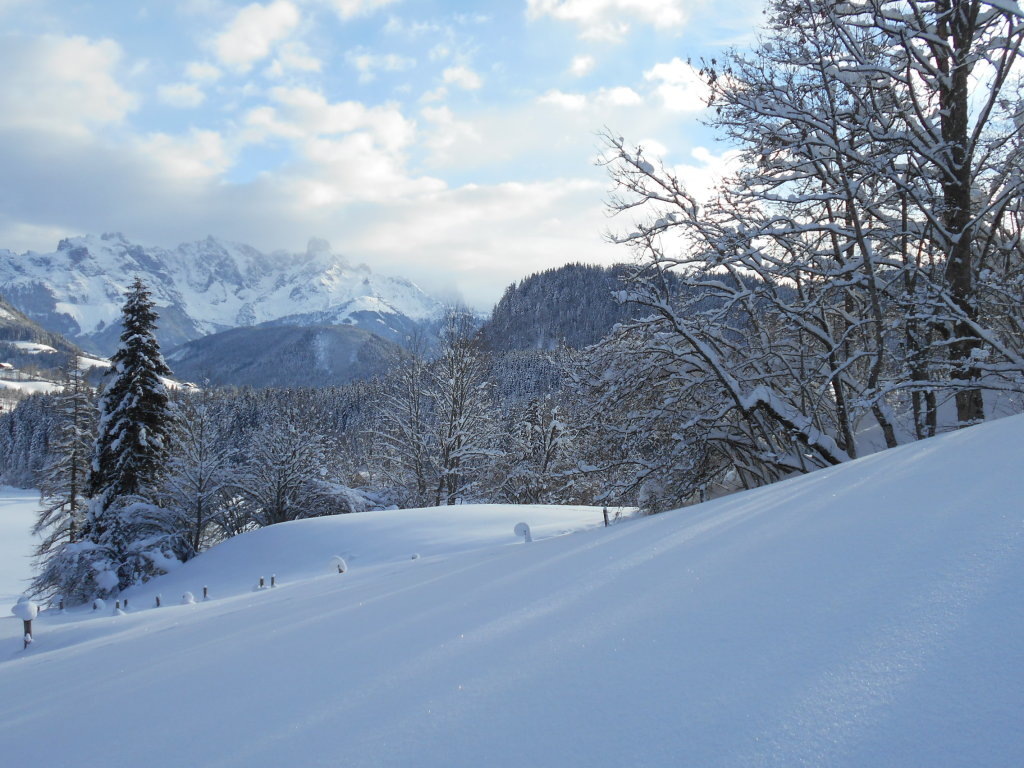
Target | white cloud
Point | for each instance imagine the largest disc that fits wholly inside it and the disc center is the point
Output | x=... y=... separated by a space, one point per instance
x=293 y=57
x=488 y=236
x=611 y=19
x=708 y=170
x=199 y=155
x=679 y=85
x=581 y=65
x=396 y=25
x=448 y=135
x=202 y=72
x=306 y=113
x=620 y=97
x=61 y=84
x=297 y=56
x=347 y=9
x=437 y=94
x=439 y=51
x=571 y=101
x=253 y=32
x=368 y=64
x=464 y=77
x=181 y=95
x=655 y=149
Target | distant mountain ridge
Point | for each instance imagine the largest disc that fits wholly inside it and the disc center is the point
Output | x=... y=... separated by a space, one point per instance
x=202 y=288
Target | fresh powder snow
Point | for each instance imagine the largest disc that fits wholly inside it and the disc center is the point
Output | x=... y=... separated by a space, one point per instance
x=869 y=614
x=18 y=510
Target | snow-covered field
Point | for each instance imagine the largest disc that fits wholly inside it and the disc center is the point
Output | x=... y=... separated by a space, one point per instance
x=18 y=509
x=30 y=387
x=32 y=347
x=867 y=615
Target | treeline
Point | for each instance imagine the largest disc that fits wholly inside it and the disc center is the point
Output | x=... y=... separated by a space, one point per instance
x=134 y=478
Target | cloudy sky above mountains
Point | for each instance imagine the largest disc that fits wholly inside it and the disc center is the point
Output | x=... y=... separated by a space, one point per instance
x=453 y=142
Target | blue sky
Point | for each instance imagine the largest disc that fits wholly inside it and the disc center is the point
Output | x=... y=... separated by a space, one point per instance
x=451 y=142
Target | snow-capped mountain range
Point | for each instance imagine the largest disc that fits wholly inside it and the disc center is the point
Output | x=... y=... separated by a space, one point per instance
x=203 y=287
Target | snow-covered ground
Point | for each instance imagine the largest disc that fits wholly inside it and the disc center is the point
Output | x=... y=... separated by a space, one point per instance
x=32 y=348
x=30 y=387
x=866 y=615
x=18 y=510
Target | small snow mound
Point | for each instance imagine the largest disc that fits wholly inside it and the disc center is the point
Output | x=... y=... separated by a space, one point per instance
x=522 y=529
x=415 y=556
x=99 y=604
x=337 y=564
x=188 y=599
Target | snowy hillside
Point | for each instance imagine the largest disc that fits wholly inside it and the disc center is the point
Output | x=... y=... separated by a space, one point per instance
x=199 y=288
x=17 y=515
x=866 y=615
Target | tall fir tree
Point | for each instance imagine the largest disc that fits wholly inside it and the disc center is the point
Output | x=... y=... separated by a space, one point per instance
x=131 y=444
x=62 y=489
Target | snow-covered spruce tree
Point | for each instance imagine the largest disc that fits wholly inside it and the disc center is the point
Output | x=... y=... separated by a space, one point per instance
x=62 y=486
x=843 y=278
x=130 y=449
x=25 y=440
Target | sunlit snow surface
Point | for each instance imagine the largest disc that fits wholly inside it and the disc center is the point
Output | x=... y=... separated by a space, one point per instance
x=18 y=510
x=867 y=615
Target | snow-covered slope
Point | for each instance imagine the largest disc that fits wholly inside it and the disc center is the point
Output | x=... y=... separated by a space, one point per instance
x=199 y=287
x=866 y=615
